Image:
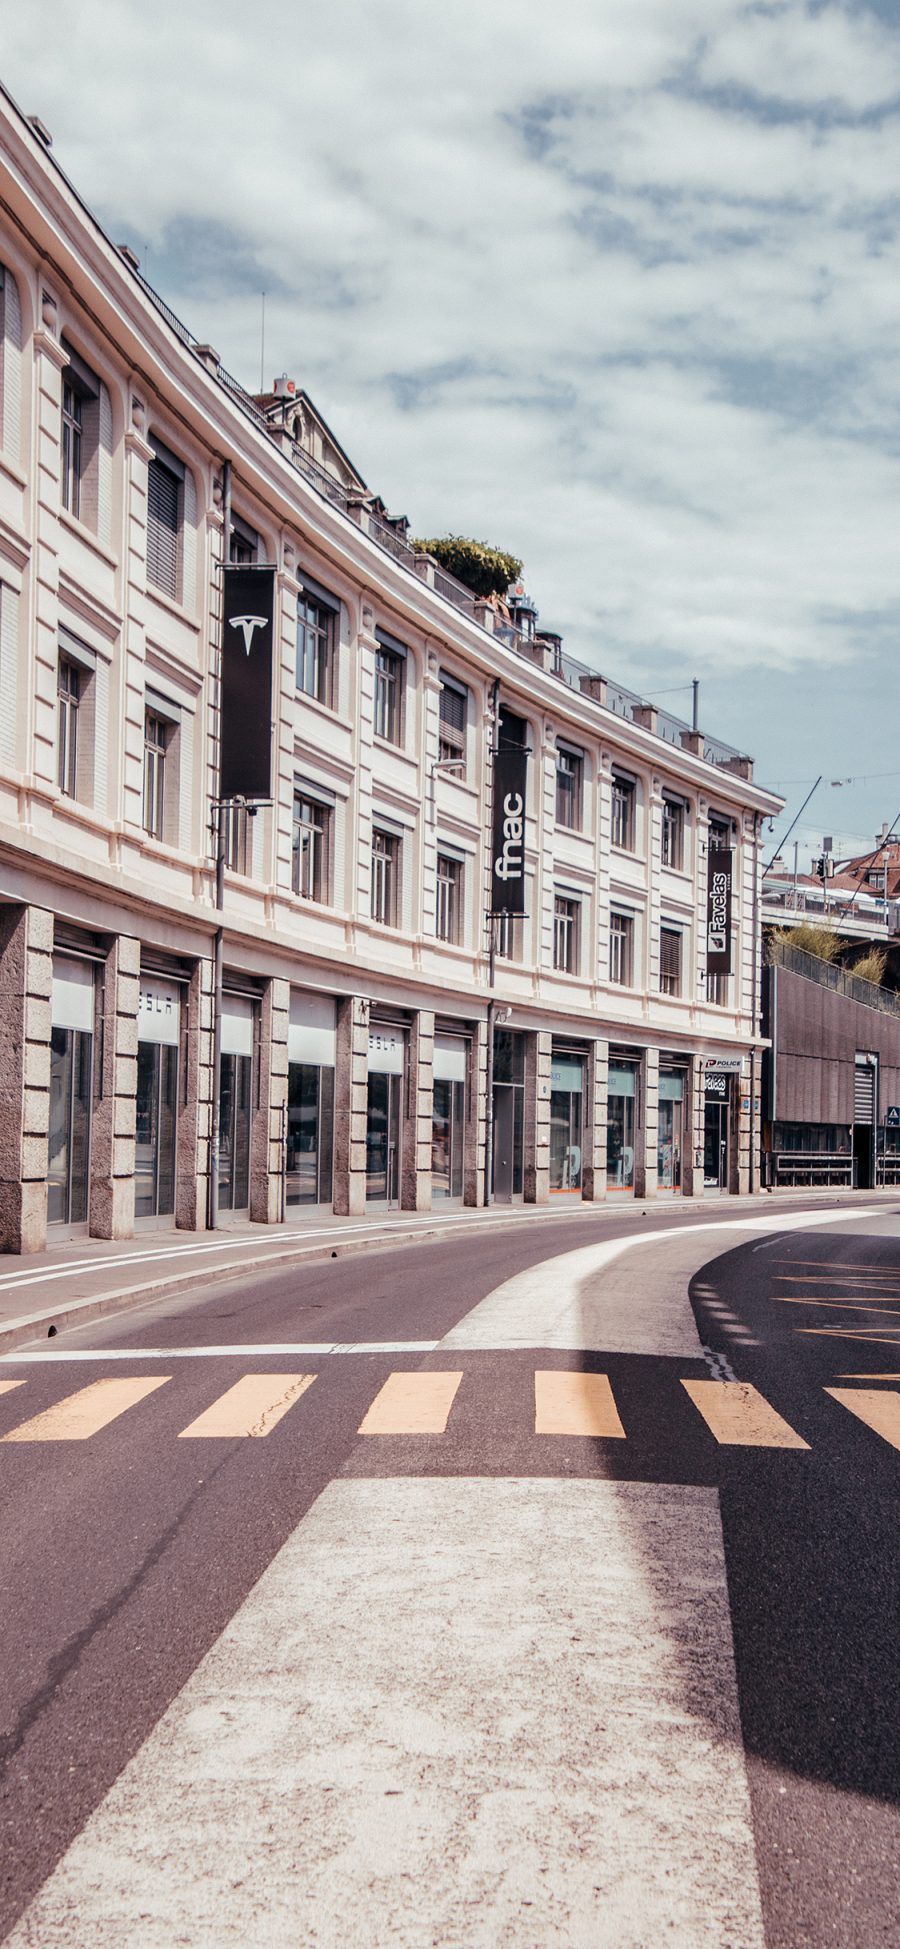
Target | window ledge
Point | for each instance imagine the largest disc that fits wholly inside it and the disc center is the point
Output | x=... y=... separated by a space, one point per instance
x=82 y=532
x=175 y=608
x=328 y=710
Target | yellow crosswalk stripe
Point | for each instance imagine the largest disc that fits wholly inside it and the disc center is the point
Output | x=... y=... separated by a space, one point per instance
x=878 y=1408
x=412 y=1404
x=83 y=1414
x=253 y=1406
x=740 y=1417
x=574 y=1404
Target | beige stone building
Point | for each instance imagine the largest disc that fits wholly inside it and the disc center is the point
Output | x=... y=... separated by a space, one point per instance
x=363 y=1040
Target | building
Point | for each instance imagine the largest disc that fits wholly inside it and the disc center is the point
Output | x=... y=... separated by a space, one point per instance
x=363 y=1038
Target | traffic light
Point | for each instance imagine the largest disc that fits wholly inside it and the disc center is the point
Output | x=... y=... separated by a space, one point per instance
x=821 y=866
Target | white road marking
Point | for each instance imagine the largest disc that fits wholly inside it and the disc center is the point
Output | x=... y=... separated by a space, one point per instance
x=450 y=1711
x=239 y=1352
x=575 y=1302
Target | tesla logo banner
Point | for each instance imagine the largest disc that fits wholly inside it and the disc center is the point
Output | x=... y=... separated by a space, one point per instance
x=246 y=719
x=718 y=911
x=508 y=855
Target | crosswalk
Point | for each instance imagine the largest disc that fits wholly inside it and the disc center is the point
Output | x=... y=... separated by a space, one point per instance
x=423 y=1402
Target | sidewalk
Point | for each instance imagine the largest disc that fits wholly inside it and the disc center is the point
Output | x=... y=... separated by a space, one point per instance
x=82 y=1279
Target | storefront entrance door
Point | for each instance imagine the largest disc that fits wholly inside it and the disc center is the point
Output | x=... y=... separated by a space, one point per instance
x=383 y=1139
x=715 y=1146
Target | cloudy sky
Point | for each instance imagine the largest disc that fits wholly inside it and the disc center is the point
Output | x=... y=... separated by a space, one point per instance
x=611 y=283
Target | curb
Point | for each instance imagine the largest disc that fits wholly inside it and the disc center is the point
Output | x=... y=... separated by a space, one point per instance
x=79 y=1312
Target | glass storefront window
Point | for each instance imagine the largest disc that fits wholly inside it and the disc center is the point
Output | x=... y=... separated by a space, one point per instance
x=566 y=1123
x=671 y=1129
x=509 y=1115
x=70 y=1124
x=155 y=1116
x=309 y=1134
x=620 y=1126
x=447 y=1139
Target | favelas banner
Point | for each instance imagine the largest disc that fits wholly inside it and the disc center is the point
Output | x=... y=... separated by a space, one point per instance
x=508 y=854
x=245 y=722
x=718 y=910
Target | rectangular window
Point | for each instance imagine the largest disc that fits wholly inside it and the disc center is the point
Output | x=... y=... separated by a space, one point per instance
x=448 y=913
x=316 y=623
x=156 y=739
x=504 y=937
x=72 y=432
x=453 y=714
x=237 y=839
x=388 y=693
x=569 y=787
x=623 y=802
x=673 y=833
x=68 y=687
x=717 y=989
x=243 y=545
x=311 y=849
x=621 y=949
x=165 y=513
x=669 y=961
x=565 y=934
x=385 y=876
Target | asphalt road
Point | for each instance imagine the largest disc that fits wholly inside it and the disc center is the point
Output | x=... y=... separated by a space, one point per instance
x=124 y=1556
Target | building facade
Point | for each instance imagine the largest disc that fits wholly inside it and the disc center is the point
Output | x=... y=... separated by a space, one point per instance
x=381 y=1042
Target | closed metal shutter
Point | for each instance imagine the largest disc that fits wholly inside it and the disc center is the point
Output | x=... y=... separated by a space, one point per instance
x=864 y=1094
x=163 y=494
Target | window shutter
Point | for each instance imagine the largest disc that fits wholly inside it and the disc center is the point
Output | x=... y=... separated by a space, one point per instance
x=864 y=1094
x=162 y=527
x=453 y=708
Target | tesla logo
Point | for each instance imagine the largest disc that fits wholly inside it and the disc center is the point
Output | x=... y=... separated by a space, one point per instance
x=248 y=624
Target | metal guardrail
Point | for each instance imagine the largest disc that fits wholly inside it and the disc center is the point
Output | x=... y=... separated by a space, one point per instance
x=810 y=1167
x=797 y=961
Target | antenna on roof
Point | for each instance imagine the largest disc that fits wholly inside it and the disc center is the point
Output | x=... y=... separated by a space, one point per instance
x=262 y=345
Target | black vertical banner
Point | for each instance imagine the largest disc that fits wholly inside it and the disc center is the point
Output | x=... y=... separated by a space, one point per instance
x=246 y=696
x=718 y=910
x=508 y=850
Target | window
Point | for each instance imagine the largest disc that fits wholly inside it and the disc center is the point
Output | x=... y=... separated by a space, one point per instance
x=237 y=838
x=673 y=833
x=623 y=802
x=504 y=937
x=569 y=787
x=385 y=876
x=156 y=740
x=448 y=913
x=453 y=714
x=316 y=628
x=388 y=693
x=69 y=680
x=165 y=513
x=717 y=989
x=243 y=544
x=621 y=949
x=565 y=933
x=311 y=849
x=669 y=961
x=72 y=434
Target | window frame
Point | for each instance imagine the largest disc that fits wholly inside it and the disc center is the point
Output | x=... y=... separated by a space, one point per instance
x=386 y=857
x=155 y=768
x=165 y=466
x=672 y=833
x=453 y=738
x=313 y=884
x=625 y=955
x=570 y=783
x=623 y=793
x=69 y=699
x=566 y=932
x=387 y=696
x=449 y=894
x=670 y=975
x=315 y=645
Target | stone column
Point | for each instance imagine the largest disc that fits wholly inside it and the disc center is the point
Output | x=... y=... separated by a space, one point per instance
x=26 y=974
x=350 y=1106
x=694 y=1100
x=415 y=1141
x=646 y=1160
x=476 y=1118
x=267 y=1121
x=195 y=1104
x=111 y=1202
x=537 y=1117
x=593 y=1183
